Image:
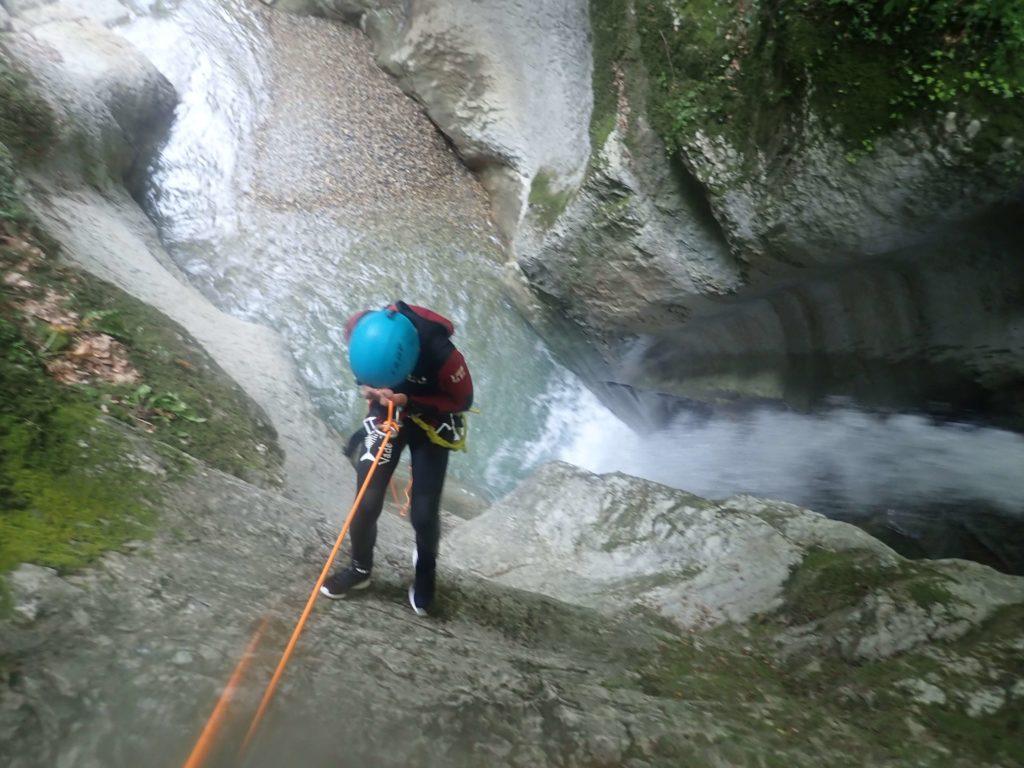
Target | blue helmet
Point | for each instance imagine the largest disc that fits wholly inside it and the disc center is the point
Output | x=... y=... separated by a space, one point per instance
x=383 y=348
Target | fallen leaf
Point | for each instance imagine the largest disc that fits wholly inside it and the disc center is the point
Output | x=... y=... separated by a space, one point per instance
x=17 y=280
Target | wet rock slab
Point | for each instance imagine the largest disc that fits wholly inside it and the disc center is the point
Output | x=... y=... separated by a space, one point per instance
x=856 y=662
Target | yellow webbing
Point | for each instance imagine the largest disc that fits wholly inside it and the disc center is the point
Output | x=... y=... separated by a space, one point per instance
x=436 y=439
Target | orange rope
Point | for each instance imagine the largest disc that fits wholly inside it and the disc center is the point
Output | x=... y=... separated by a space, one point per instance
x=389 y=428
x=205 y=742
x=408 y=499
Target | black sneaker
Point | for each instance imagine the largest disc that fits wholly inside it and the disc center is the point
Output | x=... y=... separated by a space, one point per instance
x=345 y=581
x=421 y=591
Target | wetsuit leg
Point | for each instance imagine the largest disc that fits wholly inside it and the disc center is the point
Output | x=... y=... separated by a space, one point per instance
x=429 y=464
x=363 y=531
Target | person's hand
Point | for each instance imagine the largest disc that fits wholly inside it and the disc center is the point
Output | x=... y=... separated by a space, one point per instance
x=385 y=396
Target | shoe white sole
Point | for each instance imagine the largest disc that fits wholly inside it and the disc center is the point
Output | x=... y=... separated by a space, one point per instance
x=412 y=602
x=412 y=587
x=331 y=596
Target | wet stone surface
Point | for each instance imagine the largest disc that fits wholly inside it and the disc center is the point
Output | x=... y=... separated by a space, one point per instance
x=339 y=133
x=121 y=664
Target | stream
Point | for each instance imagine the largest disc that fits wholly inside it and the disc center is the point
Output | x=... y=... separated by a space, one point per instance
x=299 y=185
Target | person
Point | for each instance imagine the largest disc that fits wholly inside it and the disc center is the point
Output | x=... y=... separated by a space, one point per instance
x=404 y=355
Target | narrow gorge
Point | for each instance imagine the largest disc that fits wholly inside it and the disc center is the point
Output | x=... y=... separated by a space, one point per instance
x=714 y=266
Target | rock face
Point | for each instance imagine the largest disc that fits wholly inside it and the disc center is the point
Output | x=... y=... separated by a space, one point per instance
x=113 y=108
x=735 y=233
x=630 y=249
x=613 y=541
x=851 y=659
x=795 y=267
x=507 y=82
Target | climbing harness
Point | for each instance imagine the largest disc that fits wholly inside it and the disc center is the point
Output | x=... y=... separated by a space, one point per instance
x=213 y=724
x=456 y=427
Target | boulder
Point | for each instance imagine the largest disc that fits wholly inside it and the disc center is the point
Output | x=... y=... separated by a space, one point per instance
x=615 y=542
x=507 y=82
x=113 y=106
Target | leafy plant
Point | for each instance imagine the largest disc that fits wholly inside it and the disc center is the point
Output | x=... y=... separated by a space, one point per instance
x=866 y=67
x=165 y=405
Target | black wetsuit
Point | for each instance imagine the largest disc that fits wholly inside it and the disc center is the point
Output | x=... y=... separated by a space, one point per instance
x=429 y=465
x=439 y=388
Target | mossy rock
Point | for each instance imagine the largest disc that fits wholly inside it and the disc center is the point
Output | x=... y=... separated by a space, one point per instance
x=866 y=68
x=826 y=582
x=27 y=124
x=70 y=487
x=547 y=203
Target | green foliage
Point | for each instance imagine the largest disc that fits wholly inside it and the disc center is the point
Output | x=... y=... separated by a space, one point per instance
x=609 y=46
x=866 y=66
x=184 y=398
x=66 y=494
x=27 y=123
x=68 y=487
x=166 y=406
x=11 y=209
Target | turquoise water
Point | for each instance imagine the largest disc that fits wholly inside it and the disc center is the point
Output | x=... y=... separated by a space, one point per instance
x=303 y=269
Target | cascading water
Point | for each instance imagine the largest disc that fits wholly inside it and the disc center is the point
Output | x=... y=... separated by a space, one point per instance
x=299 y=185
x=939 y=489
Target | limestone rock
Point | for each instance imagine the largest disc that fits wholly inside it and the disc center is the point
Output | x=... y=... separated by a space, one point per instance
x=718 y=271
x=630 y=252
x=615 y=542
x=113 y=105
x=127 y=657
x=114 y=108
x=507 y=82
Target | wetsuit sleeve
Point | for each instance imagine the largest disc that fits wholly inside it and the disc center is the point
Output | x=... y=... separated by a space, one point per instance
x=454 y=388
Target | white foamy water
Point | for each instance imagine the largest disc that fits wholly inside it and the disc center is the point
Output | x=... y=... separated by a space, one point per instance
x=247 y=217
x=839 y=460
x=302 y=270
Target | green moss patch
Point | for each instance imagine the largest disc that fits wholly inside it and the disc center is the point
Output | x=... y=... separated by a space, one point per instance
x=826 y=582
x=27 y=124
x=867 y=67
x=610 y=44
x=76 y=354
x=178 y=395
x=546 y=203
x=67 y=492
x=12 y=212
x=827 y=708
